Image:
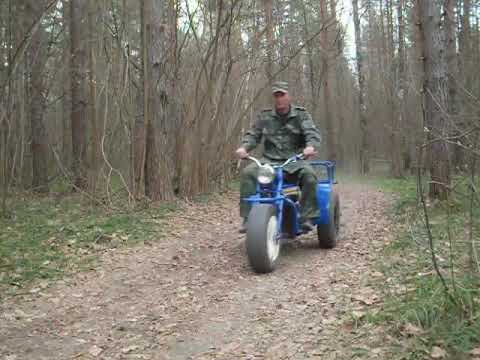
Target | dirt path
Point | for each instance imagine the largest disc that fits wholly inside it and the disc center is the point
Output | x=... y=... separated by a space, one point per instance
x=193 y=296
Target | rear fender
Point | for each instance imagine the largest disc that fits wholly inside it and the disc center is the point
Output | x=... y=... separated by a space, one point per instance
x=324 y=199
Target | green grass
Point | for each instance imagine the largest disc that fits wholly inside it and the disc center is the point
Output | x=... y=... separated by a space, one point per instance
x=414 y=294
x=45 y=237
x=404 y=190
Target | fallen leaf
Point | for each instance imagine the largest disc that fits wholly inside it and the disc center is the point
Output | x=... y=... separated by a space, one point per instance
x=358 y=314
x=438 y=353
x=19 y=314
x=411 y=329
x=129 y=349
x=377 y=274
x=360 y=351
x=230 y=347
x=367 y=300
x=56 y=301
x=95 y=350
x=475 y=352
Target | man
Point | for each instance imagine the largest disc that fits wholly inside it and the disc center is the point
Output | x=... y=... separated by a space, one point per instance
x=286 y=130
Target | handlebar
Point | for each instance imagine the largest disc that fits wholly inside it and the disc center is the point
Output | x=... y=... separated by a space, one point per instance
x=292 y=159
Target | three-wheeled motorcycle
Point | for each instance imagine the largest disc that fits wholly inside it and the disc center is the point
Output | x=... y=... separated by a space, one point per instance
x=275 y=215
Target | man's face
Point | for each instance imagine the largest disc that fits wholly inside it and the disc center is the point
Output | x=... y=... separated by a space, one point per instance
x=282 y=102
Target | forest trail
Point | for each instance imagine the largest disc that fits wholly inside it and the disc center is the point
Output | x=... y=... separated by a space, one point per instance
x=193 y=295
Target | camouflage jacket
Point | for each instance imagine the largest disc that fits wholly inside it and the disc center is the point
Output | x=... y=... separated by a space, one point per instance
x=283 y=136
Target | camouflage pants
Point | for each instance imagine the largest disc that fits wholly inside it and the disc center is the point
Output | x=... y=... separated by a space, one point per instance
x=304 y=176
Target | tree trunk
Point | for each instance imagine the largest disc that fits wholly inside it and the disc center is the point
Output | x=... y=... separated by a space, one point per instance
x=450 y=29
x=364 y=155
x=95 y=147
x=158 y=167
x=66 y=88
x=139 y=133
x=269 y=67
x=465 y=38
x=401 y=95
x=337 y=50
x=79 y=111
x=452 y=64
x=436 y=98
x=467 y=43
x=311 y=65
x=327 y=112
x=36 y=57
x=418 y=124
x=396 y=94
x=293 y=37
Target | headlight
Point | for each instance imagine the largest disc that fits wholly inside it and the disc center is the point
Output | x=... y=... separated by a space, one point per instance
x=266 y=174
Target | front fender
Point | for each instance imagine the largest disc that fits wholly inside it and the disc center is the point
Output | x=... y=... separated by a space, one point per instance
x=285 y=207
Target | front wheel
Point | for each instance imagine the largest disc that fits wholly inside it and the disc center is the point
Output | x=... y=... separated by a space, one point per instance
x=263 y=244
x=327 y=233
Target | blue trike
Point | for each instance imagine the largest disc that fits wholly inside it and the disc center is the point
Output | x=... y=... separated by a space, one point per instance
x=275 y=214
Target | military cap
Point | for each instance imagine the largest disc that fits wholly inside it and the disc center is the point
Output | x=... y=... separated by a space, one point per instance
x=280 y=86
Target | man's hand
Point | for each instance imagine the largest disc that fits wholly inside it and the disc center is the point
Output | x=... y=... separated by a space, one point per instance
x=309 y=152
x=241 y=153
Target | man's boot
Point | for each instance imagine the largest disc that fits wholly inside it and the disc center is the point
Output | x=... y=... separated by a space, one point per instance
x=307 y=225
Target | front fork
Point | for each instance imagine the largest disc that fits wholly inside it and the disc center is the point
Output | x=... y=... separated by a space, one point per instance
x=279 y=201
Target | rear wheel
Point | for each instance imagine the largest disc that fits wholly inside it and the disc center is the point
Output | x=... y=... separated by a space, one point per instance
x=263 y=244
x=328 y=233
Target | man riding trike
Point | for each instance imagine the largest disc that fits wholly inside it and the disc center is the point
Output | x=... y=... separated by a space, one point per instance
x=281 y=194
